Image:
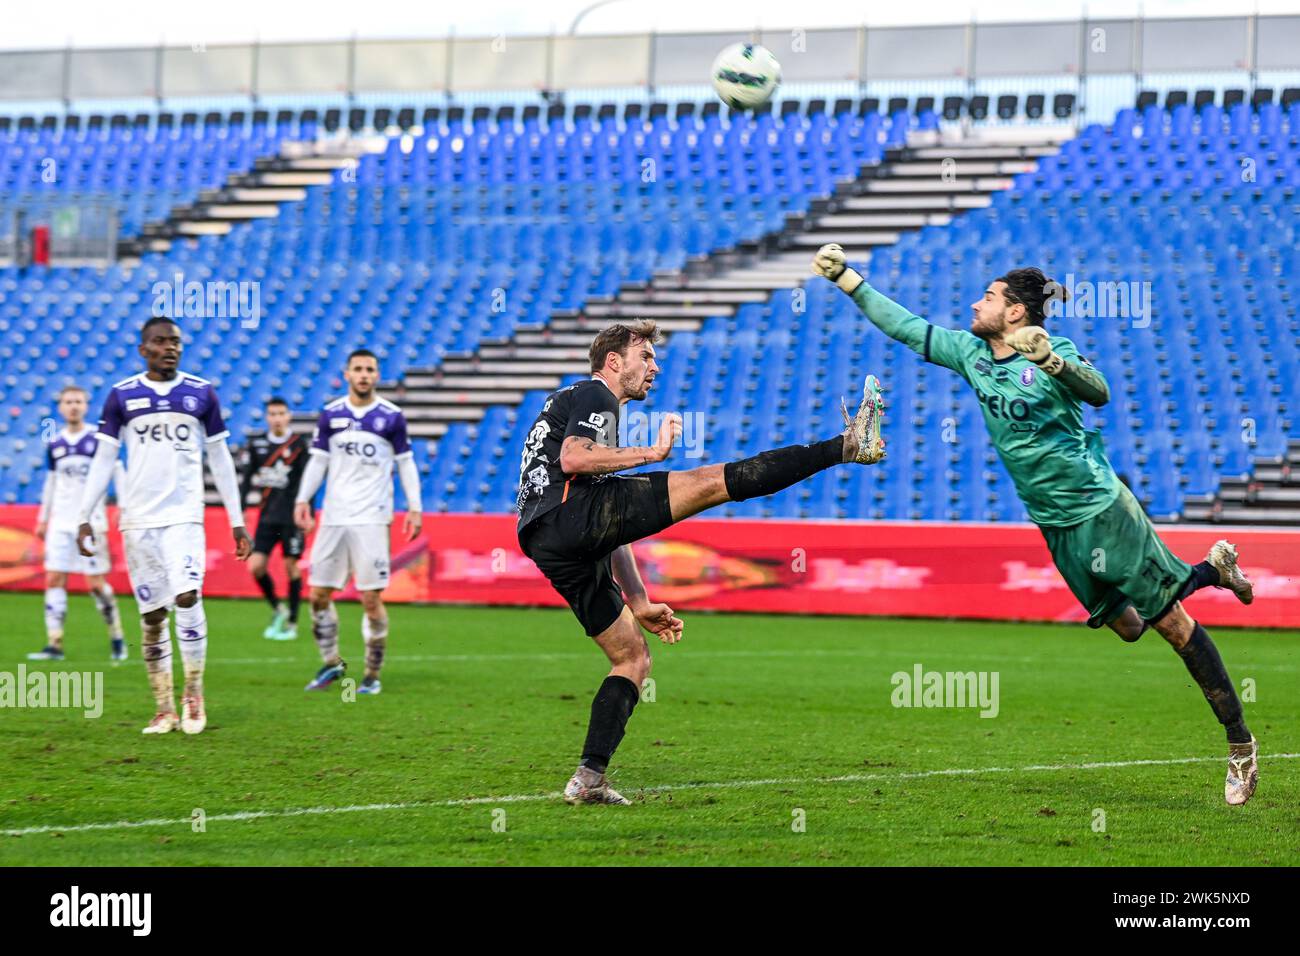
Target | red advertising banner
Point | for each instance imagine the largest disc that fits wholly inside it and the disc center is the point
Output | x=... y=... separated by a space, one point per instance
x=906 y=569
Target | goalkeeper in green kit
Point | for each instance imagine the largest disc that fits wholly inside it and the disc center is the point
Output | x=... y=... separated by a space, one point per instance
x=1030 y=386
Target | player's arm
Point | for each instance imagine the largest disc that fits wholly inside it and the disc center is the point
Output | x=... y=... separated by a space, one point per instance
x=656 y=618
x=1062 y=362
x=102 y=467
x=584 y=455
x=222 y=466
x=43 y=513
x=224 y=476
x=934 y=343
x=408 y=475
x=313 y=475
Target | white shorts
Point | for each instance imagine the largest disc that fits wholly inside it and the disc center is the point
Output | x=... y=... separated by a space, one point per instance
x=62 y=553
x=164 y=562
x=360 y=550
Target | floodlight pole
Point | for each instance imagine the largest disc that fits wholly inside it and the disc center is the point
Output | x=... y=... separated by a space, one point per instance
x=573 y=27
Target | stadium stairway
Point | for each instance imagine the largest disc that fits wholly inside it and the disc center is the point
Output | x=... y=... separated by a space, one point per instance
x=1270 y=495
x=256 y=194
x=912 y=187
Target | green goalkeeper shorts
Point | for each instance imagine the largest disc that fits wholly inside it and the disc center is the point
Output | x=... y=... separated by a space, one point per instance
x=1116 y=559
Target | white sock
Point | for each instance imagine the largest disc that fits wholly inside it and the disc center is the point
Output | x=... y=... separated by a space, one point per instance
x=106 y=602
x=192 y=634
x=56 y=612
x=375 y=633
x=156 y=649
x=325 y=628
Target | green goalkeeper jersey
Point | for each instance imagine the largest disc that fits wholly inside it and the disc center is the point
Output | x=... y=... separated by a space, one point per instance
x=1036 y=423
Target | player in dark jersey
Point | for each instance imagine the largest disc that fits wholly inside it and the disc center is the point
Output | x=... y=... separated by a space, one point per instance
x=1031 y=386
x=273 y=464
x=577 y=519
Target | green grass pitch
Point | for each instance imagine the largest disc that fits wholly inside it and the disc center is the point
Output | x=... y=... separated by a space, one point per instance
x=771 y=740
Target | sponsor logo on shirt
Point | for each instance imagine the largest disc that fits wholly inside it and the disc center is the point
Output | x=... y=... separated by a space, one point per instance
x=179 y=435
x=595 y=421
x=135 y=404
x=59 y=452
x=341 y=423
x=190 y=402
x=380 y=422
x=1027 y=376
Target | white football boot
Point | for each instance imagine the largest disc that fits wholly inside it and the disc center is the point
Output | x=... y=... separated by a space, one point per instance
x=1223 y=556
x=1243 y=772
x=863 y=443
x=587 y=786
x=193 y=716
x=164 y=722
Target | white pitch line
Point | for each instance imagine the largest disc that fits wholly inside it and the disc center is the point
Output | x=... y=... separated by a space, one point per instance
x=667 y=788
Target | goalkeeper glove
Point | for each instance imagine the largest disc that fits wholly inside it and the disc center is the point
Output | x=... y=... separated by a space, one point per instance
x=830 y=263
x=1032 y=342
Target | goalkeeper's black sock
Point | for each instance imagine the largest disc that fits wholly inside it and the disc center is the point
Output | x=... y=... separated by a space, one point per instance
x=1206 y=666
x=610 y=710
x=771 y=471
x=295 y=599
x=1204 y=575
x=268 y=589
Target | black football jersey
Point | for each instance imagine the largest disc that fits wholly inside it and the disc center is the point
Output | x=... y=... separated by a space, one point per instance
x=275 y=470
x=588 y=409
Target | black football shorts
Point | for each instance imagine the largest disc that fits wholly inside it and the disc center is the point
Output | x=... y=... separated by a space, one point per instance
x=572 y=543
x=288 y=536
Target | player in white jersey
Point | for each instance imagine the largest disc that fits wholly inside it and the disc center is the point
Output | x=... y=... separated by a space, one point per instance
x=358 y=440
x=166 y=419
x=68 y=455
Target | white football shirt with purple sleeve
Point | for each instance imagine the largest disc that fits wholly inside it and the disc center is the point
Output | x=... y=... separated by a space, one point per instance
x=163 y=426
x=362 y=443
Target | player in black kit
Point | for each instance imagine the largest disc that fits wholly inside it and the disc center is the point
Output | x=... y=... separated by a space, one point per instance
x=577 y=519
x=273 y=465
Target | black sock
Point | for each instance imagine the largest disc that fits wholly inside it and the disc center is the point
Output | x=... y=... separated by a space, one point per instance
x=610 y=709
x=1206 y=666
x=771 y=471
x=295 y=598
x=1204 y=575
x=268 y=588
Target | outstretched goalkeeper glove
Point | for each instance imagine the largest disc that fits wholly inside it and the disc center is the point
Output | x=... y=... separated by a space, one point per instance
x=830 y=263
x=1032 y=342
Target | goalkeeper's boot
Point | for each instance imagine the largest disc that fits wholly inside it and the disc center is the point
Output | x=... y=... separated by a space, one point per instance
x=164 y=722
x=1243 y=772
x=272 y=632
x=193 y=717
x=587 y=786
x=118 y=650
x=1223 y=556
x=862 y=439
x=47 y=653
x=370 y=685
x=327 y=675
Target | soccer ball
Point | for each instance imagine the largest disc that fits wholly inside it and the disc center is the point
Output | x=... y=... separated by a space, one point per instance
x=746 y=75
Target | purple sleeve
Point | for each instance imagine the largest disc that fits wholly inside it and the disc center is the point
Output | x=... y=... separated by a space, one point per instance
x=213 y=423
x=320 y=438
x=49 y=455
x=397 y=435
x=110 y=420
